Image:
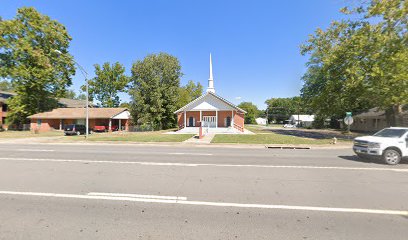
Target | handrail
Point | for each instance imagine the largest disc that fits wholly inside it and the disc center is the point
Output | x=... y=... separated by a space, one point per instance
x=238 y=127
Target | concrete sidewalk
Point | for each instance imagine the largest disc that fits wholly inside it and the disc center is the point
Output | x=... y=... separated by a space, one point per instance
x=205 y=140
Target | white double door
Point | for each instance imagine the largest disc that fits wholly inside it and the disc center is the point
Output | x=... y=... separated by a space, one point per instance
x=210 y=121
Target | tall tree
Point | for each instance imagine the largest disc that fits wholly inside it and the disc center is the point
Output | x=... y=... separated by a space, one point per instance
x=156 y=82
x=252 y=112
x=109 y=81
x=189 y=92
x=360 y=63
x=70 y=94
x=81 y=96
x=280 y=109
x=34 y=55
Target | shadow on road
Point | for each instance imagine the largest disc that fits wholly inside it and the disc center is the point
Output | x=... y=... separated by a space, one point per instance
x=306 y=133
x=377 y=160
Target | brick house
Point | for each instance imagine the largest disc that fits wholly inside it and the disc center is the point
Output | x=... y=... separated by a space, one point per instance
x=62 y=102
x=212 y=112
x=3 y=106
x=375 y=119
x=58 y=118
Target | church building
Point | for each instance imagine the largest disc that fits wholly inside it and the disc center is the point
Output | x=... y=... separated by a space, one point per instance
x=212 y=112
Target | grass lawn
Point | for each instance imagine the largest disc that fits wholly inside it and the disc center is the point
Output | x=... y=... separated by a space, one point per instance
x=261 y=129
x=156 y=136
x=266 y=138
x=27 y=134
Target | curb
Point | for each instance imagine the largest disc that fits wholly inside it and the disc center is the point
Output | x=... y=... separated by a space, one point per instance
x=189 y=144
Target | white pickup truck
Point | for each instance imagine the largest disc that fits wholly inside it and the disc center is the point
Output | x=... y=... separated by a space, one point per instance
x=391 y=144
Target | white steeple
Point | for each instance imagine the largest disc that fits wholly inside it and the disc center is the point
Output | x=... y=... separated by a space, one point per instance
x=211 y=80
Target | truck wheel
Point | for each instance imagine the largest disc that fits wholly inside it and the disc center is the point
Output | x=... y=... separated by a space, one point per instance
x=391 y=157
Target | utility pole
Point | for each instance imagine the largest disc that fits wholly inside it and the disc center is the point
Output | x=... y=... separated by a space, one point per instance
x=85 y=74
x=267 y=115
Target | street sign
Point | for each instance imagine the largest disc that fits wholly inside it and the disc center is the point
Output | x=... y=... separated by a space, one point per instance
x=348 y=120
x=348 y=114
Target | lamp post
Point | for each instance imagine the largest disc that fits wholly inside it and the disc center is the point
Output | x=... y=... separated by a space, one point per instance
x=85 y=74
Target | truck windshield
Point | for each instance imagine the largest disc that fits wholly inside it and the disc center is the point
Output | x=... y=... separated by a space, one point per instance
x=391 y=133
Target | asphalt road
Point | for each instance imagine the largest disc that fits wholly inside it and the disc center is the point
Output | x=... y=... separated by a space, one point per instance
x=80 y=191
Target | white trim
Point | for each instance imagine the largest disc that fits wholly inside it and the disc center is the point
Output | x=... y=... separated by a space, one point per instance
x=184 y=201
x=216 y=118
x=125 y=114
x=232 y=118
x=214 y=95
x=188 y=122
x=185 y=119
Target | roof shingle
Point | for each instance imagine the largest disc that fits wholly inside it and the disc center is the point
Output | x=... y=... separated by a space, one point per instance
x=78 y=113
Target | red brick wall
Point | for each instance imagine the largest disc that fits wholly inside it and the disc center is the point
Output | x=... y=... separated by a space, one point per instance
x=239 y=119
x=222 y=115
x=46 y=124
x=209 y=113
x=195 y=115
x=180 y=119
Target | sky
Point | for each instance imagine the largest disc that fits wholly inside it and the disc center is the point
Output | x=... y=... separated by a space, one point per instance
x=254 y=44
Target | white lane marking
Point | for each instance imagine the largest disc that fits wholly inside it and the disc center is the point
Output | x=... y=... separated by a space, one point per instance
x=35 y=150
x=213 y=204
x=136 y=196
x=194 y=154
x=206 y=164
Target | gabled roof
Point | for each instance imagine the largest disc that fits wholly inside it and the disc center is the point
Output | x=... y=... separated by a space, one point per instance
x=213 y=95
x=79 y=113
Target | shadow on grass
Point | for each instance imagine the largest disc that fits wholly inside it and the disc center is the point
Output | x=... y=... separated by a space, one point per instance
x=376 y=160
x=309 y=134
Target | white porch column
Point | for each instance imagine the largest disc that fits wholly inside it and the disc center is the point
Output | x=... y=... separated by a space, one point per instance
x=232 y=118
x=120 y=124
x=110 y=124
x=185 y=119
x=216 y=118
x=201 y=118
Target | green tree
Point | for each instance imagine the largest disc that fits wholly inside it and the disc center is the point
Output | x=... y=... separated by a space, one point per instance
x=125 y=105
x=189 y=92
x=156 y=82
x=280 y=109
x=5 y=86
x=109 y=81
x=81 y=96
x=70 y=94
x=252 y=112
x=361 y=62
x=28 y=57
